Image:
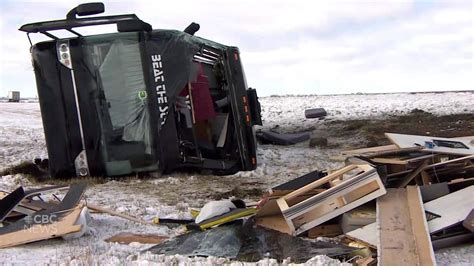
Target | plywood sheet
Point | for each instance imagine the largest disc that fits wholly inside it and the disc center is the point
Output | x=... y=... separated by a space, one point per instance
x=453 y=208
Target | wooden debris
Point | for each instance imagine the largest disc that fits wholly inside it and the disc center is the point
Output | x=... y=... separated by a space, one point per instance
x=329 y=230
x=38 y=232
x=407 y=179
x=59 y=220
x=452 y=209
x=127 y=238
x=115 y=213
x=350 y=187
x=385 y=148
x=403 y=236
x=366 y=235
x=275 y=222
x=366 y=261
x=457 y=146
x=357 y=218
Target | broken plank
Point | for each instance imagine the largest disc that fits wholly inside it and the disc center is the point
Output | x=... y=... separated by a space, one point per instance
x=118 y=214
x=406 y=160
x=127 y=238
x=370 y=150
x=398 y=151
x=408 y=178
x=460 y=159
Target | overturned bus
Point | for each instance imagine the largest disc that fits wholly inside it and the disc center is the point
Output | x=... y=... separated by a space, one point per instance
x=141 y=100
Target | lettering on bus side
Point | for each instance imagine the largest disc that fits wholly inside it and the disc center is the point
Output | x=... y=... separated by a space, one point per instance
x=159 y=79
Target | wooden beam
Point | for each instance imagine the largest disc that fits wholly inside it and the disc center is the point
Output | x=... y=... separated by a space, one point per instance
x=118 y=214
x=420 y=226
x=407 y=179
x=127 y=238
x=371 y=149
x=460 y=159
x=403 y=237
x=425 y=178
x=397 y=151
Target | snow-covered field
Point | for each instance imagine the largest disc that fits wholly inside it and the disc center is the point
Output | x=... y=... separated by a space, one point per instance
x=21 y=138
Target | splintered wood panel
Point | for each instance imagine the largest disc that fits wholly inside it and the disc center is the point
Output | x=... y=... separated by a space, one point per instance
x=398 y=232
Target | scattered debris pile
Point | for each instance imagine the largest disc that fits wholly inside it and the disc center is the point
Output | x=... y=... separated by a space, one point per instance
x=397 y=202
x=389 y=203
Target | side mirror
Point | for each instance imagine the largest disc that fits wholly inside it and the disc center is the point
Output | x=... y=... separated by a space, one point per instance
x=86 y=9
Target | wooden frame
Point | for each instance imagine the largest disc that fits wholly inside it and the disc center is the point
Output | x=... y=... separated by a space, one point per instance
x=346 y=193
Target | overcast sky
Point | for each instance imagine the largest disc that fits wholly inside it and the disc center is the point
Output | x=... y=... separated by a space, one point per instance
x=308 y=47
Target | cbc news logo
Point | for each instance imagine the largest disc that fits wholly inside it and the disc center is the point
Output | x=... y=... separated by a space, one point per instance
x=41 y=223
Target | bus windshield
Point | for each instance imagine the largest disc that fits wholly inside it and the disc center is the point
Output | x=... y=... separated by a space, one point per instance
x=122 y=103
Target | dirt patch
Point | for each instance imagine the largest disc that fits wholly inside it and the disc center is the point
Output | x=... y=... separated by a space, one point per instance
x=37 y=175
x=27 y=168
x=240 y=193
x=418 y=122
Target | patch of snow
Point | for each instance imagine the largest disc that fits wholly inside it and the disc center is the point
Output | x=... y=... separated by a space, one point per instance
x=288 y=111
